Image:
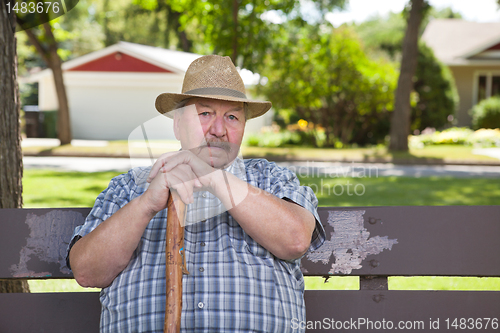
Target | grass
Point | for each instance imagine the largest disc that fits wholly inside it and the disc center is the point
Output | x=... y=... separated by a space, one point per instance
x=44 y=188
x=404 y=191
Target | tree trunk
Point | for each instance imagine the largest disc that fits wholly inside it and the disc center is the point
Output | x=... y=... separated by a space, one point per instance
x=11 y=161
x=400 y=121
x=52 y=59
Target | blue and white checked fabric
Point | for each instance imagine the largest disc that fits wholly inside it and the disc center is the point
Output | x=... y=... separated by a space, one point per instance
x=234 y=285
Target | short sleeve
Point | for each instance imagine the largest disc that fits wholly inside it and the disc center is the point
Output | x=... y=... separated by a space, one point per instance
x=118 y=193
x=284 y=184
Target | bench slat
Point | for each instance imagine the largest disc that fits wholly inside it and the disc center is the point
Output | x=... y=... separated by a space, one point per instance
x=50 y=312
x=414 y=308
x=33 y=242
x=408 y=240
x=378 y=241
x=79 y=312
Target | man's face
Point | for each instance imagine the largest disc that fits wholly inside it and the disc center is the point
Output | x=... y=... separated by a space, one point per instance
x=213 y=130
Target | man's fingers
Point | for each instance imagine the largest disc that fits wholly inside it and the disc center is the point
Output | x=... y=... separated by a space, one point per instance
x=182 y=180
x=160 y=162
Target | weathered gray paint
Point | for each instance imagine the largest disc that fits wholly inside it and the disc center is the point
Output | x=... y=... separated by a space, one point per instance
x=349 y=243
x=47 y=241
x=33 y=242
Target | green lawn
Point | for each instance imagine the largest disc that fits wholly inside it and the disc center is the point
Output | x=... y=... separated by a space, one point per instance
x=405 y=191
x=43 y=188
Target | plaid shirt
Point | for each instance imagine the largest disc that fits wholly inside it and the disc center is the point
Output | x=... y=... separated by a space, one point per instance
x=234 y=285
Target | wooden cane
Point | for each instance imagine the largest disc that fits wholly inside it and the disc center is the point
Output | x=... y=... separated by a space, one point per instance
x=175 y=262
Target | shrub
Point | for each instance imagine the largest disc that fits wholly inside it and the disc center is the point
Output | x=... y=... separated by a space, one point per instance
x=485 y=138
x=300 y=134
x=436 y=94
x=486 y=114
x=325 y=77
x=454 y=135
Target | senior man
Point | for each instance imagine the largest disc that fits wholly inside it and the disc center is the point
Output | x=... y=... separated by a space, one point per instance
x=244 y=263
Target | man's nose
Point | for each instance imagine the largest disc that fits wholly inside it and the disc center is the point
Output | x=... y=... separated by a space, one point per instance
x=217 y=128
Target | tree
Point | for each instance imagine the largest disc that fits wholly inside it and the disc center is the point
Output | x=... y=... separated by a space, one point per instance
x=155 y=22
x=324 y=76
x=383 y=35
x=400 y=121
x=44 y=31
x=11 y=163
x=436 y=96
x=242 y=29
x=47 y=47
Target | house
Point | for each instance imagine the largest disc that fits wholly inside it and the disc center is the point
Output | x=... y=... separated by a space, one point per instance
x=112 y=91
x=472 y=52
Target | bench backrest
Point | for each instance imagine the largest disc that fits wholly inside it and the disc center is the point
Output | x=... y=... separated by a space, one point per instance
x=370 y=242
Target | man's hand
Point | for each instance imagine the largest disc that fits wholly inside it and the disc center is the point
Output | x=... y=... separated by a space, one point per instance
x=181 y=171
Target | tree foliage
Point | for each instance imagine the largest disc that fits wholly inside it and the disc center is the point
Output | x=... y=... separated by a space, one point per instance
x=383 y=35
x=435 y=96
x=324 y=76
x=241 y=29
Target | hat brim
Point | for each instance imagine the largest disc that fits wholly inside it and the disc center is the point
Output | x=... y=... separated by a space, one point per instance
x=167 y=102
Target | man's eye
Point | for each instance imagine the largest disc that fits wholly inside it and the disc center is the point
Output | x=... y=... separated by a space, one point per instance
x=232 y=117
x=206 y=113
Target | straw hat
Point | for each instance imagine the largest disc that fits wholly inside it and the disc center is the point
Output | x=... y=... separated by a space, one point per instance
x=212 y=77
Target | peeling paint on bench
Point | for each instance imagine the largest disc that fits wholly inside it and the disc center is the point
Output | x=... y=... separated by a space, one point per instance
x=47 y=233
x=350 y=243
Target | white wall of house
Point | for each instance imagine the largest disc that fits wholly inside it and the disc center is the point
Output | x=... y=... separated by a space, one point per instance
x=47 y=98
x=109 y=106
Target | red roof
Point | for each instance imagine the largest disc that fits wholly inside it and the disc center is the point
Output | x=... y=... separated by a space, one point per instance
x=495 y=47
x=119 y=62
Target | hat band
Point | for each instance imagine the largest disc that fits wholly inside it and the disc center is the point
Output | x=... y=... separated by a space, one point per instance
x=216 y=91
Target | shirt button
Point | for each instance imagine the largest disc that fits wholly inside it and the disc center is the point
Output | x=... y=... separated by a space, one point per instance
x=202 y=243
x=201 y=269
x=204 y=195
x=201 y=305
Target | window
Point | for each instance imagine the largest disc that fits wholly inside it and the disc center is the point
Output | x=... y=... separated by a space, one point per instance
x=481 y=91
x=495 y=86
x=486 y=85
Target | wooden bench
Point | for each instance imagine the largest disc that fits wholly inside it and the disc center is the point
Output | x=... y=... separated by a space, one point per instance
x=370 y=242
